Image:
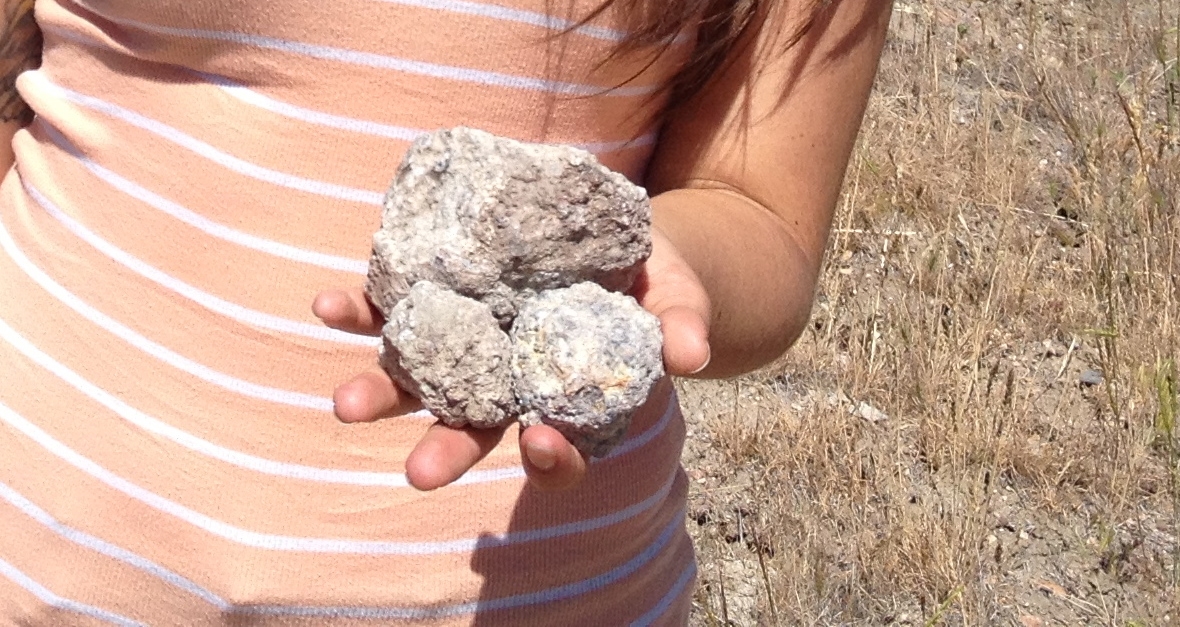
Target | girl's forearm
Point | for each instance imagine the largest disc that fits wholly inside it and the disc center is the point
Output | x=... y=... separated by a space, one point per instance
x=759 y=279
x=751 y=168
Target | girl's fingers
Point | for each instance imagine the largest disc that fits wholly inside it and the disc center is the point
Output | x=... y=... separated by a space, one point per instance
x=348 y=310
x=550 y=461
x=370 y=396
x=445 y=453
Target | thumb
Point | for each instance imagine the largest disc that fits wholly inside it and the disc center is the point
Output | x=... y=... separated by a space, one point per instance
x=669 y=288
x=686 y=340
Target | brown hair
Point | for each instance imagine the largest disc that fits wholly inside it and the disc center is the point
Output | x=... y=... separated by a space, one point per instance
x=20 y=50
x=719 y=24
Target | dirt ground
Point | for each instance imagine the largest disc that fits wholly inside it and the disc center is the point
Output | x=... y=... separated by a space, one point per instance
x=979 y=427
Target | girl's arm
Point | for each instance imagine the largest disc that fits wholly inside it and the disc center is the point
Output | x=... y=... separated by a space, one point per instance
x=20 y=50
x=749 y=172
x=747 y=175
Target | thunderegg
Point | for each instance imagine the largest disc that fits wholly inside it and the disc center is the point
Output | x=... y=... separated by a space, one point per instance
x=500 y=268
x=583 y=359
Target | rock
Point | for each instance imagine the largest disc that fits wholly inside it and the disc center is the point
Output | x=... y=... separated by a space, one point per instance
x=867 y=412
x=1053 y=589
x=498 y=220
x=1052 y=348
x=449 y=351
x=583 y=360
x=1090 y=378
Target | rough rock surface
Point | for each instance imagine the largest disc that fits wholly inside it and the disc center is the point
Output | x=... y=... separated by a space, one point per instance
x=449 y=351
x=583 y=360
x=498 y=220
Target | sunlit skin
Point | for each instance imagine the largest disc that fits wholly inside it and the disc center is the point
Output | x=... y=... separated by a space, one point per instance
x=744 y=183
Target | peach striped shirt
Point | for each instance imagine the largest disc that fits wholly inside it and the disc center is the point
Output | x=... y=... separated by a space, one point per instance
x=197 y=171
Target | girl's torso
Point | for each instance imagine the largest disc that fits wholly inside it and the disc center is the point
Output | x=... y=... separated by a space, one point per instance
x=196 y=173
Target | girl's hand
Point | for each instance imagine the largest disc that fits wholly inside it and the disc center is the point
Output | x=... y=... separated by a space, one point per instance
x=667 y=287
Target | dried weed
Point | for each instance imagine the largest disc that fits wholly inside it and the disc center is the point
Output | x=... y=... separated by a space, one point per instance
x=1002 y=291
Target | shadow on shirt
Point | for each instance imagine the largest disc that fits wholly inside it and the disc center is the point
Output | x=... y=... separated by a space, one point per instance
x=613 y=551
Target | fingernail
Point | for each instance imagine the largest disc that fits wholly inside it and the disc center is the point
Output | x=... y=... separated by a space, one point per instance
x=541 y=457
x=708 y=358
x=315 y=307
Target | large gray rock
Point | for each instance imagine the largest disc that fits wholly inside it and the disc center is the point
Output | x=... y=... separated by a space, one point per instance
x=499 y=220
x=583 y=361
x=449 y=351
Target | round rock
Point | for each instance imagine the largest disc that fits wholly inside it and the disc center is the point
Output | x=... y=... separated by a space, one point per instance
x=583 y=360
x=449 y=351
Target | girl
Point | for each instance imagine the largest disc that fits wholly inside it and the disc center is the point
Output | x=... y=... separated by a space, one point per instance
x=188 y=173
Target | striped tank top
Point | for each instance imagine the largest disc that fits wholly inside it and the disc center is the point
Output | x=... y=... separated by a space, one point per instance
x=197 y=171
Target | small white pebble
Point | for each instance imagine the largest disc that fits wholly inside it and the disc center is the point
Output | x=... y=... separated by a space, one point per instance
x=1020 y=46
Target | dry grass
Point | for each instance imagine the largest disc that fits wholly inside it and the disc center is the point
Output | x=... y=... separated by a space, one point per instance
x=1011 y=220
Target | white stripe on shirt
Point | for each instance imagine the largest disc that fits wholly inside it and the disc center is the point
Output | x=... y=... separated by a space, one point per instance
x=344 y=123
x=10 y=572
x=532 y=18
x=275 y=542
x=268 y=466
x=678 y=588
x=102 y=547
x=176 y=580
x=192 y=218
x=222 y=307
x=384 y=62
x=378 y=129
x=224 y=159
x=184 y=364
x=359 y=612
